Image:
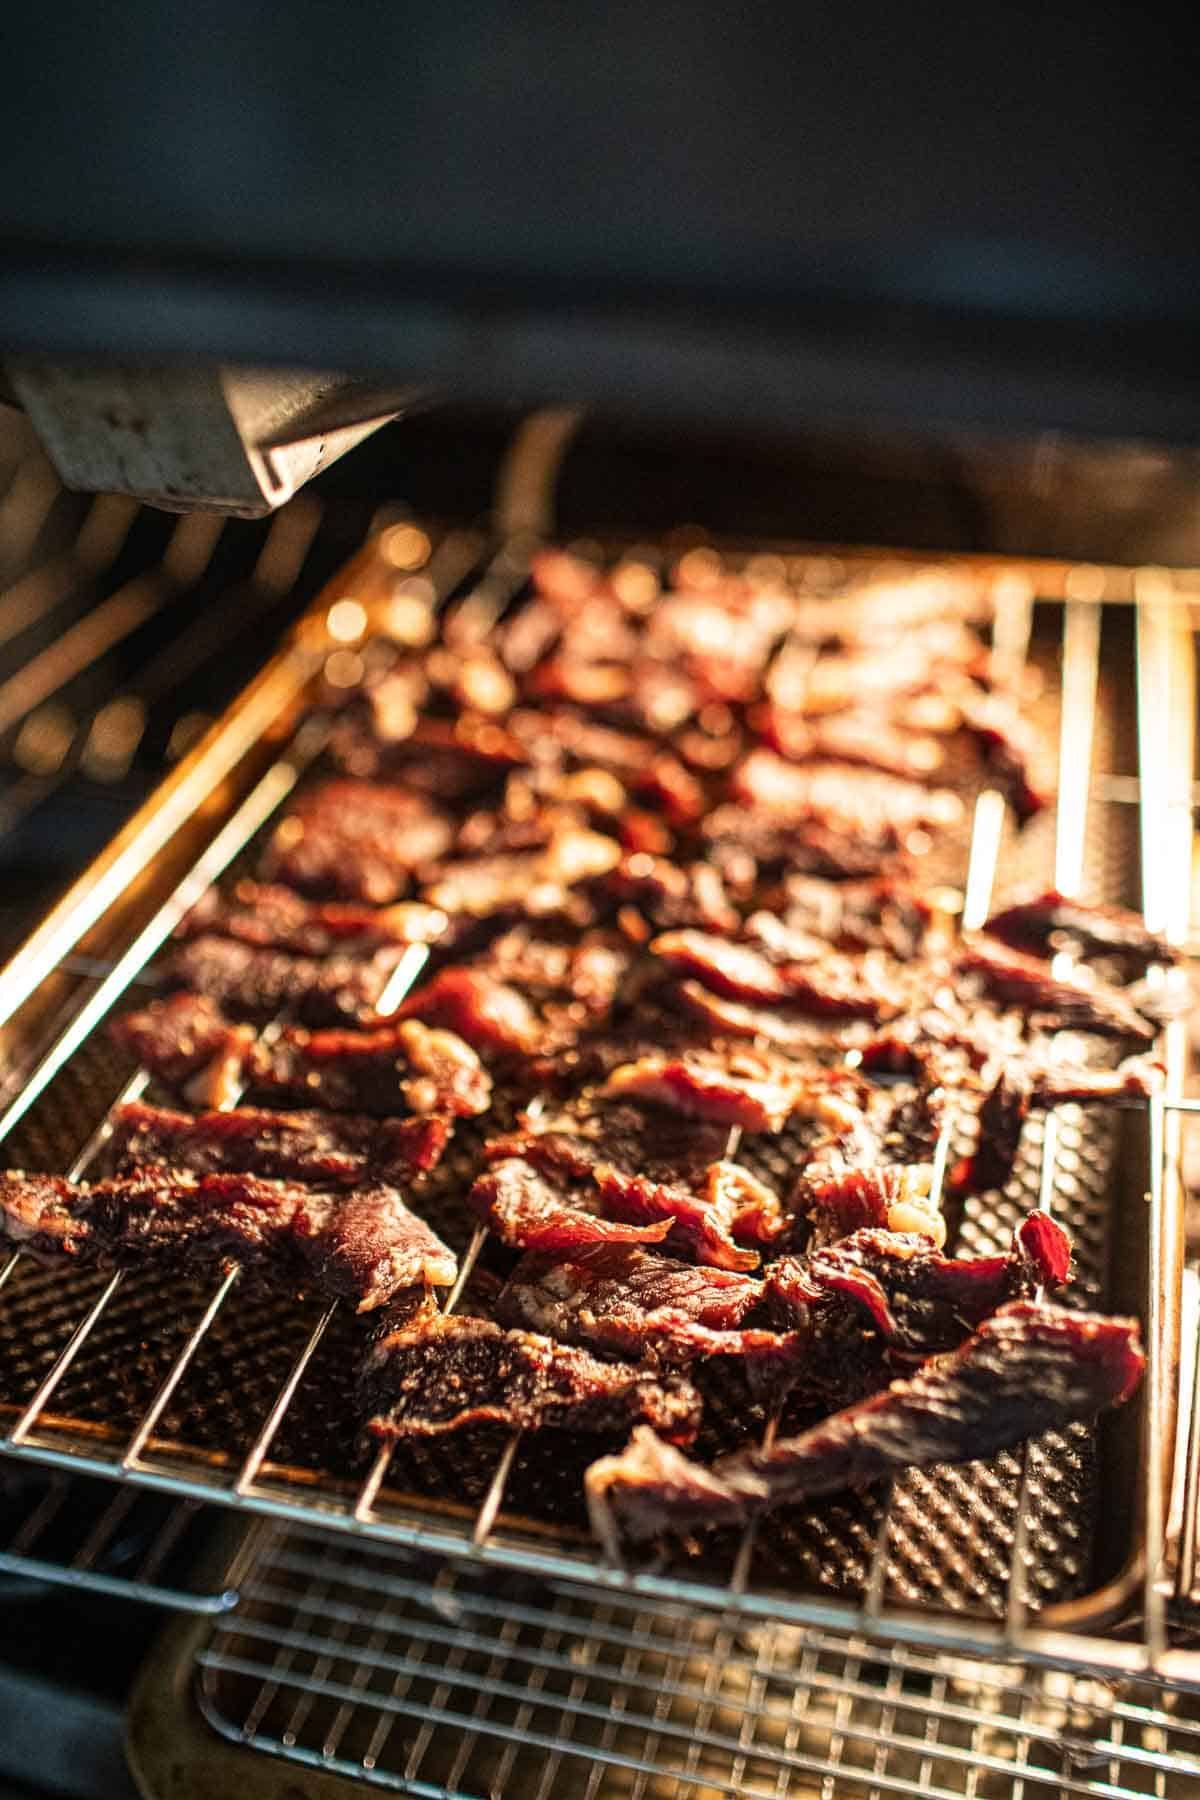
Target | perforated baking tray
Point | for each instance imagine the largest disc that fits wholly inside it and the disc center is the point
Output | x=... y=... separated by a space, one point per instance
x=224 y=1393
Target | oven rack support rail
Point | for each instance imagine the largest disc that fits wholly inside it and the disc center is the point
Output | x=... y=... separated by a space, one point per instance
x=1166 y=695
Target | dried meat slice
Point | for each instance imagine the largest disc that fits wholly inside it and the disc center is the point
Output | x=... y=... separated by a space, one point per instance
x=490 y=1015
x=883 y=608
x=1012 y=749
x=360 y=1243
x=533 y=1209
x=734 y=971
x=258 y=984
x=872 y=1166
x=273 y=917
x=916 y=1299
x=537 y=883
x=1051 y=1003
x=748 y=846
x=389 y=731
x=650 y=1489
x=860 y=915
x=888 y=1196
x=869 y=740
x=1049 y=921
x=651 y=774
x=633 y=1302
x=1024 y=1083
x=356 y=840
x=622 y=1298
x=733 y=1019
x=188 y=1042
x=645 y=1168
x=777 y=969
x=668 y=896
x=1028 y=1368
x=397 y=1068
x=325 y=1148
x=743 y=1088
x=859 y=803
x=448 y=1373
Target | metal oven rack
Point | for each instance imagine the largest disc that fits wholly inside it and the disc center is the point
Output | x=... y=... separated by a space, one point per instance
x=128 y=904
x=351 y=1664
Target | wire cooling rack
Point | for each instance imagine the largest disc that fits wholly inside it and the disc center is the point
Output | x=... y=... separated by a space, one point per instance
x=375 y=1665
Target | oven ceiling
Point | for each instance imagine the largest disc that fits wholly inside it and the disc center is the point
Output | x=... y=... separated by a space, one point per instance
x=758 y=214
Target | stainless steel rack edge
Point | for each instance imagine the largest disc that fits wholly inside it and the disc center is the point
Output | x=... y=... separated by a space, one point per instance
x=1165 y=682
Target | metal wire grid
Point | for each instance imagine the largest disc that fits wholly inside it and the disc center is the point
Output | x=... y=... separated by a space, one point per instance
x=87 y=682
x=72 y=1531
x=255 y=1483
x=441 y=1679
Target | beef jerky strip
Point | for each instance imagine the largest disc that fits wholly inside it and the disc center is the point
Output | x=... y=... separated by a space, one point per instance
x=654 y=776
x=446 y=1374
x=867 y=739
x=1038 y=924
x=1011 y=748
x=1051 y=1003
x=273 y=917
x=446 y=760
x=632 y=1302
x=651 y=1488
x=190 y=1045
x=362 y=1244
x=733 y=1019
x=356 y=840
x=667 y=896
x=746 y=846
x=873 y=1165
x=876 y=1303
x=533 y=884
x=259 y=984
x=883 y=610
x=494 y=1018
x=573 y=982
x=534 y=1209
x=1023 y=1084
x=1027 y=1369
x=861 y=803
x=647 y=1166
x=325 y=1148
x=743 y=1087
x=722 y=634
x=859 y=915
x=801 y=974
x=816 y=687
x=402 y=1067
x=570 y=987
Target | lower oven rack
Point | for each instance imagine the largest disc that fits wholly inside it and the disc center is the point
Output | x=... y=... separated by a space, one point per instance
x=256 y=1482
x=348 y=1665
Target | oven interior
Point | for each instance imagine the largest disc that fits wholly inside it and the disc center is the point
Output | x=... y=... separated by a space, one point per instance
x=498 y=1664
